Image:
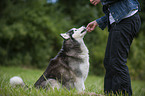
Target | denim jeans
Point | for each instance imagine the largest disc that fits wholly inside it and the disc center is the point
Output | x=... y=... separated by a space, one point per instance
x=121 y=35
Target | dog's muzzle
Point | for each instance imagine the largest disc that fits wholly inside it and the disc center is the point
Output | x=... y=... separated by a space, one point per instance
x=84 y=30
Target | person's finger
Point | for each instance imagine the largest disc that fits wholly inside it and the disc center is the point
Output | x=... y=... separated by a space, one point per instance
x=91 y=29
x=88 y=30
x=91 y=1
x=96 y=3
x=89 y=25
x=94 y=26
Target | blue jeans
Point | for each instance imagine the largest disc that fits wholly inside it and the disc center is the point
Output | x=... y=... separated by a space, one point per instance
x=121 y=35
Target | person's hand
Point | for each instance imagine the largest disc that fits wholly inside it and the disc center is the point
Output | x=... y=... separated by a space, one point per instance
x=91 y=26
x=95 y=2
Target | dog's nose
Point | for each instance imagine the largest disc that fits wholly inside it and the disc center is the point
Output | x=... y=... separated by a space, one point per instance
x=83 y=26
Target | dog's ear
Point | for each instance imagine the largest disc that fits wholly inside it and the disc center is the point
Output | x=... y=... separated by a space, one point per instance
x=64 y=36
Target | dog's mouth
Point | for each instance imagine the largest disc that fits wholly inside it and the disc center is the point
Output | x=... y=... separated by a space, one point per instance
x=84 y=30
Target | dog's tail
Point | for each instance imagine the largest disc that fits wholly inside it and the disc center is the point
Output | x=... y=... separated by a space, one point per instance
x=16 y=81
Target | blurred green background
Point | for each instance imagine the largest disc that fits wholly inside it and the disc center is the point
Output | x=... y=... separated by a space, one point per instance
x=29 y=34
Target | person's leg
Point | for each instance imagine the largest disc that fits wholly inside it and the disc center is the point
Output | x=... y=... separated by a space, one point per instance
x=108 y=76
x=117 y=77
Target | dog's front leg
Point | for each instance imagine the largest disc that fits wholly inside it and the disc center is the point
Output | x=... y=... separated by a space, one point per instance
x=79 y=84
x=41 y=81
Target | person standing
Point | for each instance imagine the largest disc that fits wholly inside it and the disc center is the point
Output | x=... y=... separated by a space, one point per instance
x=123 y=21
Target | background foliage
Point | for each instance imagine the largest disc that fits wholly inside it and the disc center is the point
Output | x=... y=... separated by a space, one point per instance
x=29 y=33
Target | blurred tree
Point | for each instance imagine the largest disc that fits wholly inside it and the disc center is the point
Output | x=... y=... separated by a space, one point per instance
x=142 y=13
x=80 y=11
x=29 y=33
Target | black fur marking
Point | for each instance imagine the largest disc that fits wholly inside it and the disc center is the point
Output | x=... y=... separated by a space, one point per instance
x=70 y=32
x=83 y=31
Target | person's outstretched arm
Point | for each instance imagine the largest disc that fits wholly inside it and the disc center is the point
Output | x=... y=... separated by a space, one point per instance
x=101 y=22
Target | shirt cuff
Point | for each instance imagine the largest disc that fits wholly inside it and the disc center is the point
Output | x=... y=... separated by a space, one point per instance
x=102 y=22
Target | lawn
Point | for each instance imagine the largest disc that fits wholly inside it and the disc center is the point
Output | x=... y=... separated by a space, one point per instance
x=93 y=84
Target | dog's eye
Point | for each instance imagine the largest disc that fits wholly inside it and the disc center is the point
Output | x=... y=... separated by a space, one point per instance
x=71 y=32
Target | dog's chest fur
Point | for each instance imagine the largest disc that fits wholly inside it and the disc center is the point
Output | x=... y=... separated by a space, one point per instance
x=84 y=66
x=79 y=64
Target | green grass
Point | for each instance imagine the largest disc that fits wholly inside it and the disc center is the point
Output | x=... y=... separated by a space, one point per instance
x=93 y=84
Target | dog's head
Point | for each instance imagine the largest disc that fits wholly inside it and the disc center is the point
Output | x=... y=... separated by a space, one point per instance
x=75 y=33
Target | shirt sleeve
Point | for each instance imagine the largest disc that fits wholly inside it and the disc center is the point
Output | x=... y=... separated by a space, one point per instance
x=102 y=22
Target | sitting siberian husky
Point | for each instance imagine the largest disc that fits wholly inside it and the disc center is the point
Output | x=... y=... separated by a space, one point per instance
x=69 y=69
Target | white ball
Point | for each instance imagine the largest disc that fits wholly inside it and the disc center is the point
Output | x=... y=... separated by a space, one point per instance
x=14 y=81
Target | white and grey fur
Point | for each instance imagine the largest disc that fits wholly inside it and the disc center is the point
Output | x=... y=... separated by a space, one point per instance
x=70 y=67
